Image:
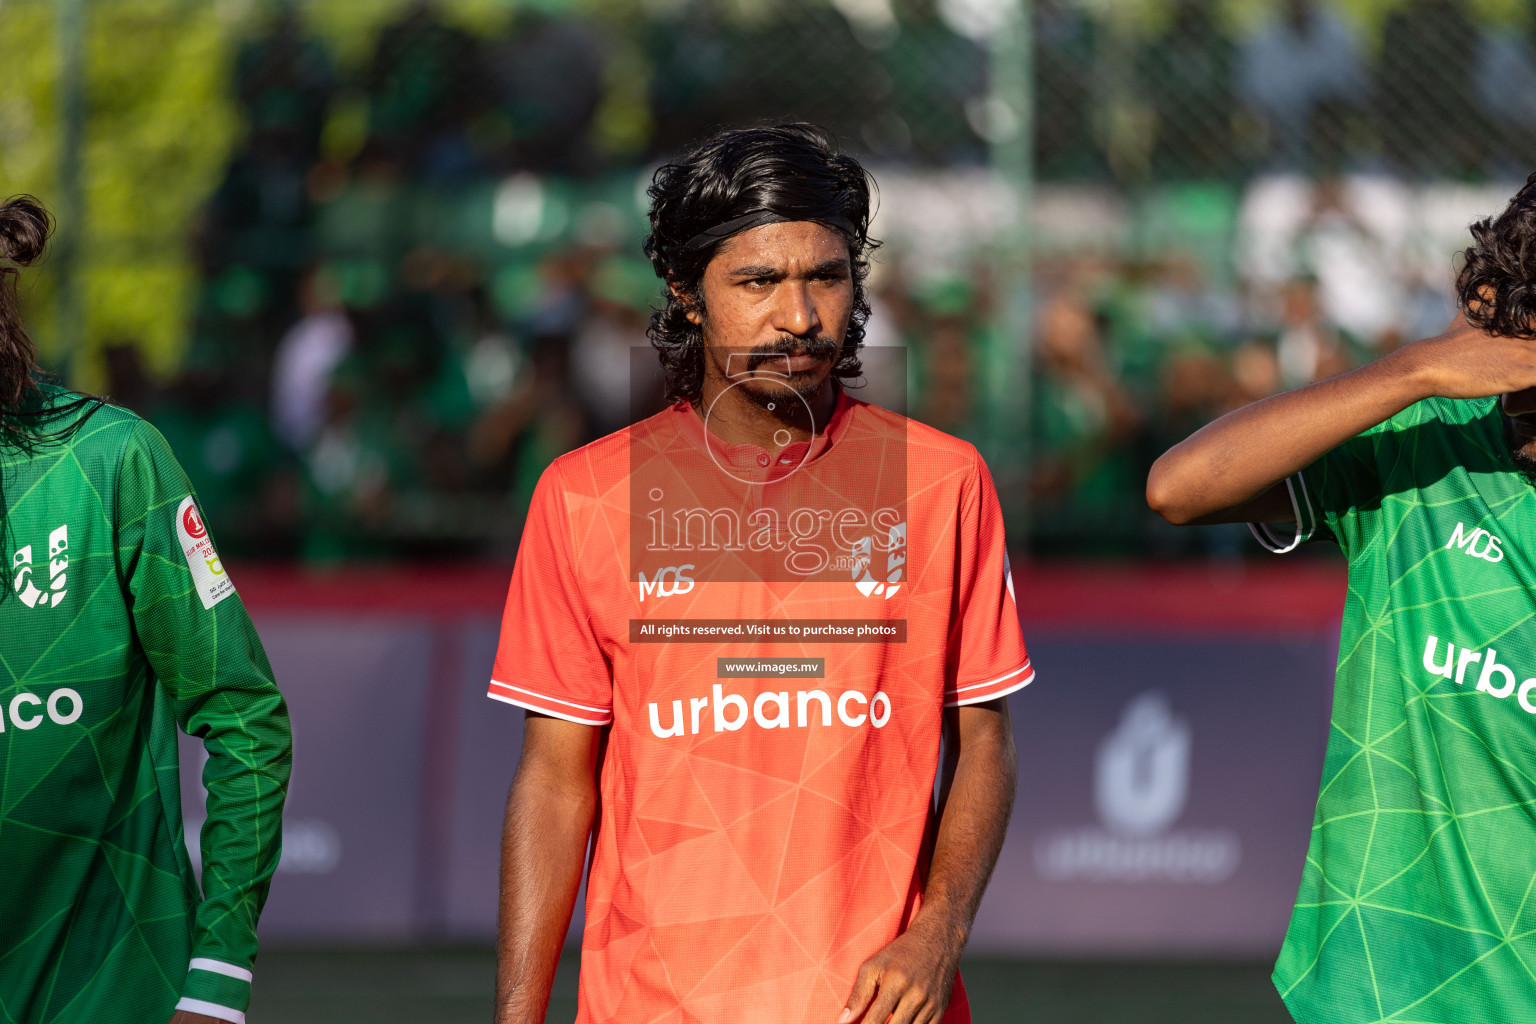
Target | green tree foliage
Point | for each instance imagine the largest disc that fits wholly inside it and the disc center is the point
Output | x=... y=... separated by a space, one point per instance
x=158 y=131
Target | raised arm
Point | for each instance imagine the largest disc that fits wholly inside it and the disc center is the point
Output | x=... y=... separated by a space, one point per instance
x=1232 y=470
x=543 y=851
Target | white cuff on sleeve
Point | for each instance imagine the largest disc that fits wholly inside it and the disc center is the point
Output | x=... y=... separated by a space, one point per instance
x=203 y=963
x=208 y=1009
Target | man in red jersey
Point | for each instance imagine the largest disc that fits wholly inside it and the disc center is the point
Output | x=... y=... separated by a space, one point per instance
x=743 y=629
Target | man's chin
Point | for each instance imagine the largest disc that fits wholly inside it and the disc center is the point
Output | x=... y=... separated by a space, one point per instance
x=765 y=389
x=1522 y=448
x=809 y=383
x=1525 y=459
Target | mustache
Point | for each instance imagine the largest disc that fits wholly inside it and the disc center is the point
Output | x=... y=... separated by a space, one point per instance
x=819 y=346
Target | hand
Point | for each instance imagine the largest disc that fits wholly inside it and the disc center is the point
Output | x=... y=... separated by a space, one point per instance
x=909 y=981
x=183 y=1017
x=1464 y=361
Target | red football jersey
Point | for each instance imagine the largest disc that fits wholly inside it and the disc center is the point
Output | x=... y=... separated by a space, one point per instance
x=772 y=641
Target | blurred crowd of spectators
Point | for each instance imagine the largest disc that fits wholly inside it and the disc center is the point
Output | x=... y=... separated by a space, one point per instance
x=1133 y=356
x=421 y=279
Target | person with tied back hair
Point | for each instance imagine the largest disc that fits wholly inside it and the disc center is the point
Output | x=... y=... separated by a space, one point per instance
x=24 y=227
x=1415 y=900
x=118 y=624
x=764 y=848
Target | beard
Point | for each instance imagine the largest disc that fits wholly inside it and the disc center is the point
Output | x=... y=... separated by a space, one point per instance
x=1521 y=451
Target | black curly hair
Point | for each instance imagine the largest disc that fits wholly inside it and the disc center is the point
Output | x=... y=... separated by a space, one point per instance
x=749 y=176
x=24 y=229
x=1496 y=286
x=25 y=226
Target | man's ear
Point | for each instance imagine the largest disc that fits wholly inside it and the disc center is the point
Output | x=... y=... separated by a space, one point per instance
x=690 y=304
x=1486 y=301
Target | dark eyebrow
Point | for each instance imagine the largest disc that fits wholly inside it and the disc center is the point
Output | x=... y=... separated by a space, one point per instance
x=832 y=266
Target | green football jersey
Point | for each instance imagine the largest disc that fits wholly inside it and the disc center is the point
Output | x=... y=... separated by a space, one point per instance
x=117 y=626
x=1418 y=898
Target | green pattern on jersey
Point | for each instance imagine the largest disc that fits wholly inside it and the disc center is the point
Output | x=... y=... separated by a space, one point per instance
x=1418 y=899
x=105 y=649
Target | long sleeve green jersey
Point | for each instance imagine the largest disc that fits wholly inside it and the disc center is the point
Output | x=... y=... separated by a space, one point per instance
x=118 y=625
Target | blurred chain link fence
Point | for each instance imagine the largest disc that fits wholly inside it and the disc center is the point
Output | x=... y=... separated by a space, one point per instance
x=1236 y=198
x=1183 y=89
x=370 y=265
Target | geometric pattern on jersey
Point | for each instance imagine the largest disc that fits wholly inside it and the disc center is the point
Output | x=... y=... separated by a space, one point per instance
x=755 y=845
x=743 y=514
x=106 y=648
x=1418 y=896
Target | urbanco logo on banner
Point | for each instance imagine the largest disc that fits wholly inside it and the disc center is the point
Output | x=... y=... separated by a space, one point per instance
x=1140 y=787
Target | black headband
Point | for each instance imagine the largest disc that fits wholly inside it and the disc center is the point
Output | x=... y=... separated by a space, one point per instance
x=756 y=219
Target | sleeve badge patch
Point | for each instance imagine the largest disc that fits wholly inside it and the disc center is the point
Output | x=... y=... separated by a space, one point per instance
x=208 y=574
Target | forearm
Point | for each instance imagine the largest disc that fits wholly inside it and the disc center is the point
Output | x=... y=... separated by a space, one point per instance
x=244 y=727
x=544 y=843
x=240 y=842
x=1241 y=455
x=972 y=823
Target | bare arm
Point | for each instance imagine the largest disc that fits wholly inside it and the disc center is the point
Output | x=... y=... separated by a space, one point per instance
x=543 y=850
x=1230 y=470
x=909 y=981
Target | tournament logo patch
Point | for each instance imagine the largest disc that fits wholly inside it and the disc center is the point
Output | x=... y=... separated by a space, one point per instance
x=208 y=574
x=193 y=523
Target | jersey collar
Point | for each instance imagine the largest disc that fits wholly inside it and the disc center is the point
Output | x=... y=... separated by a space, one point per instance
x=756 y=460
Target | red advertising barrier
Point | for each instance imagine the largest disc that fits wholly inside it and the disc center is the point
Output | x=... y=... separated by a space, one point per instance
x=1219 y=674
x=1200 y=597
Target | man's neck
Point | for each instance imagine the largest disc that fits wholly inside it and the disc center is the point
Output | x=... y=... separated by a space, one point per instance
x=736 y=418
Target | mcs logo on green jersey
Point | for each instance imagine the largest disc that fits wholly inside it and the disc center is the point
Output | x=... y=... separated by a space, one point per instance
x=1491 y=550
x=28 y=577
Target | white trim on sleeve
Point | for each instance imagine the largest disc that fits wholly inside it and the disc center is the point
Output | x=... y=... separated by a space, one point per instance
x=982 y=698
x=202 y=963
x=993 y=682
x=548 y=711
x=555 y=700
x=1305 y=516
x=208 y=1009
